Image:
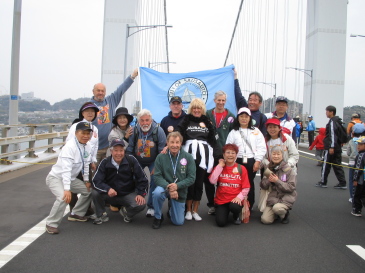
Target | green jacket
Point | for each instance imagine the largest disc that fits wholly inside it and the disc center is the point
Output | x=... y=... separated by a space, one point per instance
x=185 y=172
x=224 y=129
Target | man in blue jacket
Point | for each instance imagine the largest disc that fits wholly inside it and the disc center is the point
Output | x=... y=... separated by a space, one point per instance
x=146 y=142
x=107 y=106
x=311 y=127
x=120 y=181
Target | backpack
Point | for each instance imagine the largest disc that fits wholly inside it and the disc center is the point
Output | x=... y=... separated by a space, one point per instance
x=343 y=137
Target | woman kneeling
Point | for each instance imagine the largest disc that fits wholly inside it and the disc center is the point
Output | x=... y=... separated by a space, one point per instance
x=233 y=186
x=280 y=182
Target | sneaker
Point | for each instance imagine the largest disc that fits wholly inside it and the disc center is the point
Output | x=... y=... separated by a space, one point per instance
x=285 y=220
x=123 y=212
x=52 y=230
x=340 y=187
x=188 y=216
x=237 y=221
x=157 y=222
x=99 y=220
x=321 y=185
x=356 y=213
x=350 y=200
x=77 y=218
x=196 y=216
x=150 y=212
x=211 y=211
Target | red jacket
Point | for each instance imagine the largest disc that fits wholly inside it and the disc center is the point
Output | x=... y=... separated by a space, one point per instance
x=318 y=142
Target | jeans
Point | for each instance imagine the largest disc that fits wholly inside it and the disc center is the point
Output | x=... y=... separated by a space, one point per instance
x=128 y=201
x=152 y=185
x=351 y=184
x=176 y=210
x=310 y=137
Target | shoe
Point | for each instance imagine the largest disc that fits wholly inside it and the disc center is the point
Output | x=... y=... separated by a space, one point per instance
x=211 y=211
x=99 y=220
x=157 y=222
x=196 y=216
x=188 y=216
x=356 y=213
x=123 y=212
x=150 y=212
x=77 y=218
x=350 y=200
x=52 y=230
x=340 y=187
x=285 y=220
x=115 y=209
x=321 y=185
x=237 y=221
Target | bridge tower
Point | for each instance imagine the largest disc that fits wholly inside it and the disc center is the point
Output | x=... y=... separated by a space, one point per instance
x=325 y=56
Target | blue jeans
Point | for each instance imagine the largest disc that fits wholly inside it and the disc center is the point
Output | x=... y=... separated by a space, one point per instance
x=176 y=210
x=351 y=177
x=152 y=186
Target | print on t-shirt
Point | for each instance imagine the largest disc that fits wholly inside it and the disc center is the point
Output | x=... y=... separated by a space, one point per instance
x=103 y=114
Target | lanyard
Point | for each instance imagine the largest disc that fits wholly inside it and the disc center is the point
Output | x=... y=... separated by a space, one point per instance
x=218 y=124
x=81 y=155
x=172 y=163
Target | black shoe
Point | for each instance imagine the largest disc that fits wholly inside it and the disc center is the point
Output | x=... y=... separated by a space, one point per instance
x=157 y=222
x=321 y=185
x=285 y=220
x=340 y=187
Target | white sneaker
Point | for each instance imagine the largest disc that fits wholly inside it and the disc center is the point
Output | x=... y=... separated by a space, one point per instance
x=196 y=216
x=150 y=212
x=350 y=200
x=211 y=211
x=188 y=216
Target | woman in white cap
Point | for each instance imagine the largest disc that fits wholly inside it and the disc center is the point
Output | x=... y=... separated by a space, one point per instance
x=251 y=144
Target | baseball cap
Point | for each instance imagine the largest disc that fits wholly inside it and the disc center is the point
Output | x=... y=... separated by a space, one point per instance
x=361 y=140
x=355 y=115
x=116 y=142
x=244 y=110
x=281 y=98
x=358 y=128
x=310 y=116
x=274 y=121
x=176 y=98
x=83 y=126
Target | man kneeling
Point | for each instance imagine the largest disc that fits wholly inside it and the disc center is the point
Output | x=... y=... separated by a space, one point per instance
x=120 y=181
x=174 y=173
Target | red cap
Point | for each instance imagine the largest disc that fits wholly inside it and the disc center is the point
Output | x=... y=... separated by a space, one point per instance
x=274 y=121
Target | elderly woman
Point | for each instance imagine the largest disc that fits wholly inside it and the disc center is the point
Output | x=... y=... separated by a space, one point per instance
x=277 y=137
x=199 y=140
x=251 y=144
x=233 y=186
x=280 y=181
x=121 y=129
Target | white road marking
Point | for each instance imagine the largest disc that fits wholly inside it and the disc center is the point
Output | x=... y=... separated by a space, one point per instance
x=344 y=163
x=21 y=243
x=359 y=250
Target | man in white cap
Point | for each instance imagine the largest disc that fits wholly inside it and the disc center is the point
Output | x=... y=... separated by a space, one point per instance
x=311 y=128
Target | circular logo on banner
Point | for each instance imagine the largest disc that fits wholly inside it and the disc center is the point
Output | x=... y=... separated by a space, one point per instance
x=188 y=89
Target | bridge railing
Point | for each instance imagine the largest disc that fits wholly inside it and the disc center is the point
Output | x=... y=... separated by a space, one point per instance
x=31 y=138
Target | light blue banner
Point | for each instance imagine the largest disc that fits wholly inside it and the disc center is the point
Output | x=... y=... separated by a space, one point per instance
x=158 y=88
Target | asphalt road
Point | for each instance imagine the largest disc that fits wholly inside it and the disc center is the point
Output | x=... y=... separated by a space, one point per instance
x=314 y=241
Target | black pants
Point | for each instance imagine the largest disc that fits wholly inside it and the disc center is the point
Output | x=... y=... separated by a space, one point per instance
x=336 y=159
x=359 y=198
x=222 y=212
x=310 y=137
x=251 y=178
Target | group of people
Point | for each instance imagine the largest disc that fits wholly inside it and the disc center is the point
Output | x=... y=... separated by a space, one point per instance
x=186 y=152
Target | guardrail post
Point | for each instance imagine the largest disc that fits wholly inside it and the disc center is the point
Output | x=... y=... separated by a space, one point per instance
x=5 y=148
x=50 y=140
x=64 y=127
x=32 y=143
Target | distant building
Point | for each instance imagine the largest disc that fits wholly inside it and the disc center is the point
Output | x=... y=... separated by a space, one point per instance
x=28 y=96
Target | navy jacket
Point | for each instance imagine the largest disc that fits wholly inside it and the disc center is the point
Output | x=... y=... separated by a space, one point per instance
x=169 y=120
x=121 y=180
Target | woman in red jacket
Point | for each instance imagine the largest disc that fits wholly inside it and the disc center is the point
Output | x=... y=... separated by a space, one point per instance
x=233 y=186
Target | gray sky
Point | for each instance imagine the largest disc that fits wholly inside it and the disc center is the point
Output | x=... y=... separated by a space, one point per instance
x=61 y=44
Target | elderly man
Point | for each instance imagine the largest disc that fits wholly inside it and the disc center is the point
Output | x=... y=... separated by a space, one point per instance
x=107 y=106
x=281 y=108
x=74 y=157
x=120 y=181
x=254 y=103
x=174 y=173
x=146 y=142
x=222 y=120
x=173 y=118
